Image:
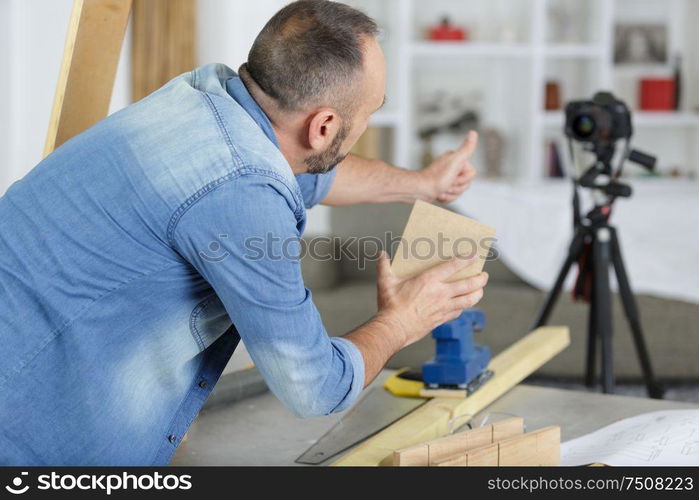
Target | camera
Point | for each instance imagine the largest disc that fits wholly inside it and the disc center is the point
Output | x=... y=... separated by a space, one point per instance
x=604 y=119
x=598 y=124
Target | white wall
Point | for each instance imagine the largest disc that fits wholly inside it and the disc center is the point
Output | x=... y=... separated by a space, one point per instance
x=227 y=29
x=4 y=90
x=31 y=47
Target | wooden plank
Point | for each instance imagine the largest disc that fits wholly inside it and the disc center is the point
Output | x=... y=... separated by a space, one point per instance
x=518 y=451
x=541 y=447
x=431 y=420
x=443 y=393
x=480 y=436
x=90 y=58
x=163 y=43
x=442 y=448
x=413 y=456
x=460 y=460
x=548 y=445
x=507 y=428
x=448 y=447
x=486 y=456
x=430 y=227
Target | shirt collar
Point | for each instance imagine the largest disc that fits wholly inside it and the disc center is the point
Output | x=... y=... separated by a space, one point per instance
x=240 y=94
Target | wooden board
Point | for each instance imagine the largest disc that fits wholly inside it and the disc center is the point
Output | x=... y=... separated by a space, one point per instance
x=454 y=445
x=433 y=235
x=486 y=456
x=518 y=451
x=90 y=58
x=507 y=428
x=163 y=43
x=431 y=420
x=418 y=455
x=539 y=448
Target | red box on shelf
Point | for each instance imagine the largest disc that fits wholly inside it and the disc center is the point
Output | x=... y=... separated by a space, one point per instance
x=447 y=32
x=657 y=94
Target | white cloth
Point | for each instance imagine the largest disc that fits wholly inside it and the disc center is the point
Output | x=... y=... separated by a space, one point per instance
x=658 y=230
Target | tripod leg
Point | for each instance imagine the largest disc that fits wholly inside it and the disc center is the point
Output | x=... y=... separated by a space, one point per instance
x=601 y=258
x=573 y=252
x=591 y=342
x=629 y=302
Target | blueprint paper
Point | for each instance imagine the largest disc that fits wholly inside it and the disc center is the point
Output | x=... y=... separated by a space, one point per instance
x=668 y=437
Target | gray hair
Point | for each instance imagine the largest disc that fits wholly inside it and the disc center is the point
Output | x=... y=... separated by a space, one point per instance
x=310 y=54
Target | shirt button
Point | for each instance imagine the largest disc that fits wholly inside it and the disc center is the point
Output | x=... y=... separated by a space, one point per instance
x=203 y=384
x=172 y=438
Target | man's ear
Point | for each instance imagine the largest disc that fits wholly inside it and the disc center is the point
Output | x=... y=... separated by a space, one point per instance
x=323 y=125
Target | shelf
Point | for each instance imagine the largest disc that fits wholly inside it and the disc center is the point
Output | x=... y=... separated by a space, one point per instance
x=665 y=119
x=553 y=119
x=470 y=49
x=582 y=51
x=640 y=119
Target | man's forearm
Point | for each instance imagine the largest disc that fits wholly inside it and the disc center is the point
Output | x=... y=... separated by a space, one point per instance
x=360 y=180
x=377 y=340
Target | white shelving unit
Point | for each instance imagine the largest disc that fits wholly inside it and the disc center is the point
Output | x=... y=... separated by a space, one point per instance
x=512 y=75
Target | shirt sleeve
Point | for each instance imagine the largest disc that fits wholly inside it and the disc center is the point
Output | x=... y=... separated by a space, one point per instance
x=315 y=187
x=243 y=238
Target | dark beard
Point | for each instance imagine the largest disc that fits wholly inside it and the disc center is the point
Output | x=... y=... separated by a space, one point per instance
x=322 y=163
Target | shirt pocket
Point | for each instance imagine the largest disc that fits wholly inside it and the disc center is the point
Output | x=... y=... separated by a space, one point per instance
x=208 y=321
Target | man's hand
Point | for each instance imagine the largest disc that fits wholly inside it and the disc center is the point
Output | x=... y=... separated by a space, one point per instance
x=417 y=305
x=410 y=308
x=452 y=173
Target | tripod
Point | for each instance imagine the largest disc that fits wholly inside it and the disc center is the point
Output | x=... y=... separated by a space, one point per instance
x=595 y=245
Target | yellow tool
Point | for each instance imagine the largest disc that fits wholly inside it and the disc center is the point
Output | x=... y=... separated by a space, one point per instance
x=405 y=386
x=408 y=384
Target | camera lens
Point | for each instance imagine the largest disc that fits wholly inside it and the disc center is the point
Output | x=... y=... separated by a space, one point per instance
x=584 y=126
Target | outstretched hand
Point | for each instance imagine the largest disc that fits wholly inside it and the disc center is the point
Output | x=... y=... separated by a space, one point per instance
x=451 y=173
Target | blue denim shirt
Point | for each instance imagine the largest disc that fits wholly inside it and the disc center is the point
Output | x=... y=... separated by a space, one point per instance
x=128 y=276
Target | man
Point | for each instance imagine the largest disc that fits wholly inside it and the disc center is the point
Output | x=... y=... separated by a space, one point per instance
x=125 y=283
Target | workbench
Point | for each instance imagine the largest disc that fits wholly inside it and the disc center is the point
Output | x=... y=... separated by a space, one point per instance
x=260 y=431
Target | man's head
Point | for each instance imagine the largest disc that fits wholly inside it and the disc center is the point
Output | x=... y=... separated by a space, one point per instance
x=318 y=72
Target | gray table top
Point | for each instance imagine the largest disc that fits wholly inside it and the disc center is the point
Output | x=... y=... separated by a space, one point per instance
x=260 y=431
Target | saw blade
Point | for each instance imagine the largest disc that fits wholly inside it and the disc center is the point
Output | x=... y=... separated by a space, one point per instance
x=374 y=412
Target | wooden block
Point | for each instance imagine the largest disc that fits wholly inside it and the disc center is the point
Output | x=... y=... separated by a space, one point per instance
x=508 y=428
x=413 y=456
x=456 y=461
x=480 y=436
x=541 y=447
x=518 y=451
x=548 y=446
x=486 y=456
x=446 y=447
x=431 y=420
x=86 y=78
x=433 y=235
x=442 y=448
